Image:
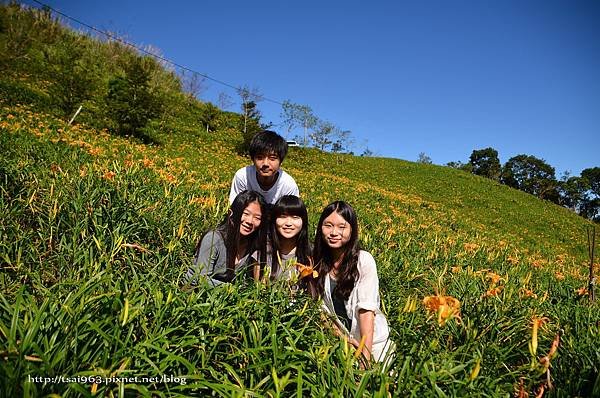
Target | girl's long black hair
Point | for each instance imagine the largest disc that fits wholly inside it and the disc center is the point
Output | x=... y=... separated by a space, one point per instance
x=230 y=232
x=348 y=271
x=293 y=206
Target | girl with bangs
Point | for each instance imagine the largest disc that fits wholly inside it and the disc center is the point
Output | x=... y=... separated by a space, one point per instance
x=289 y=237
x=348 y=282
x=236 y=246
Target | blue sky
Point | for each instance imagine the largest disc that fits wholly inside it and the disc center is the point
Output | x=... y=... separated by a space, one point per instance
x=440 y=77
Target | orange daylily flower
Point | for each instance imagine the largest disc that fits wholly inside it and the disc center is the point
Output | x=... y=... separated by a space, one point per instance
x=109 y=175
x=494 y=277
x=512 y=260
x=447 y=307
x=528 y=293
x=95 y=151
x=494 y=291
x=471 y=247
x=537 y=322
x=307 y=270
x=559 y=276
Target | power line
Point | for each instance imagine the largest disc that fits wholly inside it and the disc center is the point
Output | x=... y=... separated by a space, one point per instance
x=142 y=50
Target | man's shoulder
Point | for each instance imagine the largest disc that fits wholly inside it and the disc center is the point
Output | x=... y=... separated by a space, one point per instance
x=244 y=172
x=285 y=178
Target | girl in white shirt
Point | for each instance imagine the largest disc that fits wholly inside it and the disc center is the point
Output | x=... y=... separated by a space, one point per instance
x=348 y=282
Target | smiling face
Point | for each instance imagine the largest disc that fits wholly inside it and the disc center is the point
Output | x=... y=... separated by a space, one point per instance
x=288 y=226
x=267 y=165
x=336 y=230
x=251 y=219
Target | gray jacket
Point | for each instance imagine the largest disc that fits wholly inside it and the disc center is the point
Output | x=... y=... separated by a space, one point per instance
x=210 y=261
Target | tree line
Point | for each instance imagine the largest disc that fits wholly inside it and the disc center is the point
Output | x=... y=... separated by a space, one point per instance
x=300 y=124
x=535 y=176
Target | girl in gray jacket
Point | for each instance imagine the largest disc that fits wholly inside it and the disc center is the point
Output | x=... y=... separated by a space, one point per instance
x=236 y=246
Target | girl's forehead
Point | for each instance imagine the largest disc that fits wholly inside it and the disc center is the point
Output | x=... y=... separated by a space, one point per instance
x=253 y=206
x=288 y=213
x=335 y=217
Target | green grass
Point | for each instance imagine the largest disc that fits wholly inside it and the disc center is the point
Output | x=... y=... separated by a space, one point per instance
x=97 y=231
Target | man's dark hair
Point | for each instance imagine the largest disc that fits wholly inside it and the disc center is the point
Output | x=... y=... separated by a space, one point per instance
x=266 y=142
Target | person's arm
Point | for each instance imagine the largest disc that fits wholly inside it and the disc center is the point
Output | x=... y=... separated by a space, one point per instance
x=366 y=320
x=368 y=300
x=209 y=255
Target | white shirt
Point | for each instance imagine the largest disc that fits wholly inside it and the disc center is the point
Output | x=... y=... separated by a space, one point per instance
x=245 y=179
x=364 y=295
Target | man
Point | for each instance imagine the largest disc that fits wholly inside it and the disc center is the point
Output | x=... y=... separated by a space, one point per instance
x=267 y=151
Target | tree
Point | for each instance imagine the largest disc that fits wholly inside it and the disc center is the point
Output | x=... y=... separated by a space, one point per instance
x=592 y=177
x=323 y=134
x=367 y=152
x=131 y=104
x=424 y=159
x=249 y=97
x=224 y=101
x=485 y=163
x=343 y=141
x=590 y=206
x=296 y=115
x=590 y=209
x=532 y=175
x=193 y=84
x=460 y=166
x=75 y=75
x=250 y=114
x=572 y=191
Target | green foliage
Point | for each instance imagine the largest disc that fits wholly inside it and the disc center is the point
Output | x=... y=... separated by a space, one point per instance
x=590 y=206
x=461 y=166
x=323 y=134
x=485 y=163
x=572 y=192
x=15 y=92
x=592 y=177
x=424 y=159
x=97 y=231
x=130 y=102
x=75 y=78
x=532 y=175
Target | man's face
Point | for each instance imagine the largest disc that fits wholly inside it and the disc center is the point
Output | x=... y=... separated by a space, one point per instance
x=267 y=165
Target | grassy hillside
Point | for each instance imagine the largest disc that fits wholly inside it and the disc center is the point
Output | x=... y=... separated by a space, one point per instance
x=97 y=230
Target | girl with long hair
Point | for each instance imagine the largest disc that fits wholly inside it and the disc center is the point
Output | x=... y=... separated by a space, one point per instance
x=236 y=246
x=289 y=237
x=348 y=282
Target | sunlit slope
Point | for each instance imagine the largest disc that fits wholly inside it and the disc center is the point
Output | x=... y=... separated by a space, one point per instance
x=107 y=225
x=395 y=198
x=454 y=202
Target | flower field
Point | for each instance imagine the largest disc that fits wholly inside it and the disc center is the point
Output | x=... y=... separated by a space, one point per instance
x=484 y=286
